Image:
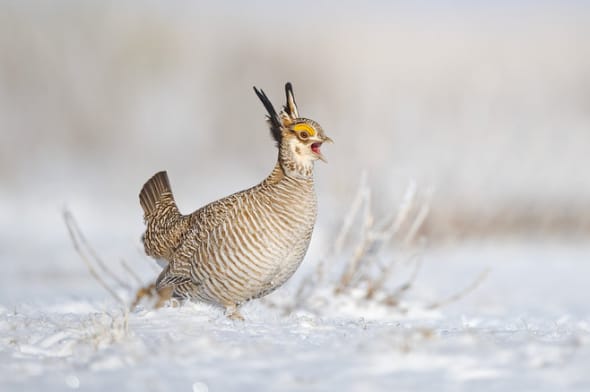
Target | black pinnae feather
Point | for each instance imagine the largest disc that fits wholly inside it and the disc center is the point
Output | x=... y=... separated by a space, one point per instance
x=290 y=100
x=272 y=117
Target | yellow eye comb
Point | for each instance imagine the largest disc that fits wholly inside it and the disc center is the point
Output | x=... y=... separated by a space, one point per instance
x=304 y=127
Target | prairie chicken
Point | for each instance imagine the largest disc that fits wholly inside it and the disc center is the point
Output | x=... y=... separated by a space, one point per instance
x=247 y=244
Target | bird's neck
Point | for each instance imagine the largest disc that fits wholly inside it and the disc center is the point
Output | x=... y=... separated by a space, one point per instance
x=279 y=174
x=293 y=166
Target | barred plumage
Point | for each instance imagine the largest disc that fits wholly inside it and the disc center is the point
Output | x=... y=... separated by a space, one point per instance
x=245 y=245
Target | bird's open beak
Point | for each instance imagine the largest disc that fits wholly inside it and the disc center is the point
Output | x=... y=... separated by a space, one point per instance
x=315 y=147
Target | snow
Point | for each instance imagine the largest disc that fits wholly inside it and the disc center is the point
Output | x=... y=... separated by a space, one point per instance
x=526 y=327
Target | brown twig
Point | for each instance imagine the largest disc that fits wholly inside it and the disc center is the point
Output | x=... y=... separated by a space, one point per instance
x=397 y=293
x=462 y=293
x=364 y=244
x=77 y=240
x=74 y=225
x=130 y=271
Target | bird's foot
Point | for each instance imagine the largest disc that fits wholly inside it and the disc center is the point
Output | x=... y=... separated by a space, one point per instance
x=164 y=295
x=233 y=313
x=150 y=291
x=145 y=291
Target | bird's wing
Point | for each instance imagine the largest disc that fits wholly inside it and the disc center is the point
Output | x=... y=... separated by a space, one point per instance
x=168 y=278
x=203 y=223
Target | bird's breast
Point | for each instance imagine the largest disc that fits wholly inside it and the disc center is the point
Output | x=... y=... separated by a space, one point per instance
x=277 y=225
x=259 y=245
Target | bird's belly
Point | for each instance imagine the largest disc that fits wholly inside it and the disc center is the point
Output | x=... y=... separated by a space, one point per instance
x=286 y=266
x=242 y=272
x=278 y=267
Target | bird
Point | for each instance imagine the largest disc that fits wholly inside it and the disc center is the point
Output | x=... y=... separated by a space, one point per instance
x=246 y=245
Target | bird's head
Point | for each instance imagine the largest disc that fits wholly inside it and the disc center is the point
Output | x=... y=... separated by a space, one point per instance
x=299 y=139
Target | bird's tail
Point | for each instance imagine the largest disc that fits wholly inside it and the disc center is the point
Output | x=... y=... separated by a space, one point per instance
x=161 y=216
x=156 y=196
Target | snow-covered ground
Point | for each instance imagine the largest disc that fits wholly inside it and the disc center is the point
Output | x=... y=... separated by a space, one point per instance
x=526 y=328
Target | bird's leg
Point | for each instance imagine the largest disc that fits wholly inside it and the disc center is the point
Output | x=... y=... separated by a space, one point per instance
x=164 y=295
x=232 y=312
x=145 y=291
x=150 y=291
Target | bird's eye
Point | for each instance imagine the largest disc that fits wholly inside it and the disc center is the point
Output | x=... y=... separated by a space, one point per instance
x=304 y=130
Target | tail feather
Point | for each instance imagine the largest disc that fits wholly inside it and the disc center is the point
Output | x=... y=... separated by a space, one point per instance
x=156 y=192
x=164 y=223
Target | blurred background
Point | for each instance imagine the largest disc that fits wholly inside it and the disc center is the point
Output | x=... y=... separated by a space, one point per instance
x=485 y=105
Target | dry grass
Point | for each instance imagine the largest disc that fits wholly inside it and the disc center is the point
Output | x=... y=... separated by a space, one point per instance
x=119 y=327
